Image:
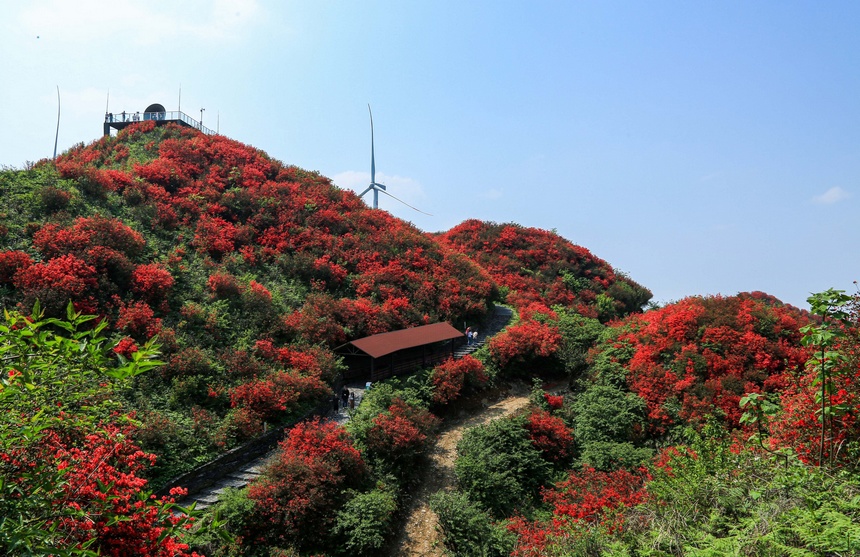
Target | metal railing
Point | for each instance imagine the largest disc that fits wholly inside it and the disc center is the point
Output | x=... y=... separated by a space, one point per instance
x=169 y=116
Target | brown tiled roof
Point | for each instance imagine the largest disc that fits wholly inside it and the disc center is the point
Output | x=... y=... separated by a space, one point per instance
x=383 y=344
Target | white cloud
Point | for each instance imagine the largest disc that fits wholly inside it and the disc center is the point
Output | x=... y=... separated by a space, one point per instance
x=833 y=195
x=352 y=180
x=491 y=194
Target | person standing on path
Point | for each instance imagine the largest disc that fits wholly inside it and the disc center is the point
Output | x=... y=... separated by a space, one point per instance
x=344 y=397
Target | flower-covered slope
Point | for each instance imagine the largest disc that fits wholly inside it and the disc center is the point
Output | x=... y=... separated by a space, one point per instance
x=248 y=270
x=210 y=200
x=697 y=357
x=534 y=265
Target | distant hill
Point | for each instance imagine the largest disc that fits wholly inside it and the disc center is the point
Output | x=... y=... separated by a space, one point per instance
x=533 y=265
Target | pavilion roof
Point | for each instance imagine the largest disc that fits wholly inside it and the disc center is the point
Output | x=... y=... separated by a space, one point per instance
x=377 y=346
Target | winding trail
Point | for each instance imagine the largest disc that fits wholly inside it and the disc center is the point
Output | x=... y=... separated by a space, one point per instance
x=420 y=535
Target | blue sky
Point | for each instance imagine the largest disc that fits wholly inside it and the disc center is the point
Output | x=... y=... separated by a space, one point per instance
x=702 y=148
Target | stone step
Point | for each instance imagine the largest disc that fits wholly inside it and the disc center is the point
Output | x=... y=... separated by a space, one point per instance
x=243 y=475
x=230 y=481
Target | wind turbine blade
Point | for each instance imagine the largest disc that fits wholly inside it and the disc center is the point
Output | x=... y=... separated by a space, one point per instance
x=57 y=136
x=372 y=156
x=370 y=187
x=407 y=204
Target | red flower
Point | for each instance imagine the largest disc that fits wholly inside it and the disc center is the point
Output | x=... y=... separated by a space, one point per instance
x=126 y=347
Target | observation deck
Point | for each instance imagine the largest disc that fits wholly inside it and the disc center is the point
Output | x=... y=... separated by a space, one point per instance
x=156 y=113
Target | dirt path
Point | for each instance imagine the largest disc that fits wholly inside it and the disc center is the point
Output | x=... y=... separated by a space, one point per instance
x=420 y=536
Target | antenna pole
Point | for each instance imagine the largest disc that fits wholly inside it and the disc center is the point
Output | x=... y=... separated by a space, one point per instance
x=57 y=136
x=179 y=107
x=107 y=104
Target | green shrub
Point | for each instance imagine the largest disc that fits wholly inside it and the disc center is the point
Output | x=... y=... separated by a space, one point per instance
x=607 y=455
x=469 y=531
x=499 y=467
x=233 y=513
x=717 y=500
x=606 y=413
x=578 y=335
x=364 y=522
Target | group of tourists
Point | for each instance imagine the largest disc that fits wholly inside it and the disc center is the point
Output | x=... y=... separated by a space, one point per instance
x=471 y=336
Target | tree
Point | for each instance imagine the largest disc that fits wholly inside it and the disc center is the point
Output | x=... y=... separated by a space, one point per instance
x=827 y=360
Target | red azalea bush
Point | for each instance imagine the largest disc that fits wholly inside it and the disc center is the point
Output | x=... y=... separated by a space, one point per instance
x=258 y=294
x=524 y=342
x=799 y=426
x=10 y=263
x=53 y=240
x=103 y=482
x=275 y=397
x=152 y=283
x=550 y=435
x=399 y=435
x=307 y=360
x=215 y=236
x=224 y=286
x=449 y=377
x=126 y=347
x=300 y=490
x=71 y=477
x=703 y=354
x=554 y=402
x=138 y=320
x=588 y=497
x=99 y=496
x=56 y=282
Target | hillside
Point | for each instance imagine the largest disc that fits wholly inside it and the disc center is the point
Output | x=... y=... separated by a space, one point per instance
x=249 y=271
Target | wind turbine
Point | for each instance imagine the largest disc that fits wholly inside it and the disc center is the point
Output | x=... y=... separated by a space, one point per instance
x=374 y=185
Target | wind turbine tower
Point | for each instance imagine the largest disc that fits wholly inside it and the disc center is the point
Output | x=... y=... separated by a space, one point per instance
x=376 y=187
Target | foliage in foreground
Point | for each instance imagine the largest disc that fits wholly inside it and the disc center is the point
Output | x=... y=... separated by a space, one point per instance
x=70 y=476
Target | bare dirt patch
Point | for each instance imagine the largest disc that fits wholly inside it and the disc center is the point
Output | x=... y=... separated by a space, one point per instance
x=420 y=535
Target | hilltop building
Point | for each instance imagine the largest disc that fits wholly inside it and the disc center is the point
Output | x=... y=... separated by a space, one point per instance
x=156 y=113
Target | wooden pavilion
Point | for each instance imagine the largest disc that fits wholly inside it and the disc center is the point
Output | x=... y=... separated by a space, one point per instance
x=388 y=354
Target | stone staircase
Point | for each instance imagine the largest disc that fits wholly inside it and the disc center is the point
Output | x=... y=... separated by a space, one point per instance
x=497 y=321
x=236 y=480
x=237 y=477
